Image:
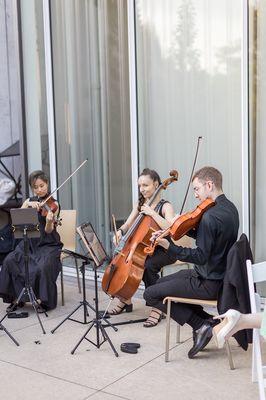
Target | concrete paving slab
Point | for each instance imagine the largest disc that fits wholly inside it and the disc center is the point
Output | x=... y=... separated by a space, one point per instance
x=130 y=376
x=21 y=383
x=106 y=396
x=205 y=377
x=96 y=367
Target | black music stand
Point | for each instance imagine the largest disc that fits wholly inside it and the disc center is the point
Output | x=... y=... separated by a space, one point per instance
x=99 y=256
x=26 y=225
x=84 y=303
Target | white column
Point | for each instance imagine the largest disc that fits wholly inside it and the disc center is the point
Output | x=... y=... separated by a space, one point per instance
x=245 y=120
x=49 y=92
x=133 y=96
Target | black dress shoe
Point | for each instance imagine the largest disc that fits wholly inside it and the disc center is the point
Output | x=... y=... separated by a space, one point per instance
x=212 y=321
x=201 y=338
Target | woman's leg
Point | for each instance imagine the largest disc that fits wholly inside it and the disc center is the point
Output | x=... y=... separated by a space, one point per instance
x=246 y=321
x=153 y=266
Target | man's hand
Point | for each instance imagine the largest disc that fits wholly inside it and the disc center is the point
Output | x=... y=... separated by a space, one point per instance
x=164 y=243
x=160 y=241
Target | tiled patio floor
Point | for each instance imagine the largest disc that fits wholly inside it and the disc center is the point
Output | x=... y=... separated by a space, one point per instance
x=46 y=370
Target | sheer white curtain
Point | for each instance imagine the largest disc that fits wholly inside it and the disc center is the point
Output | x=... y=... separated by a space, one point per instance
x=189 y=85
x=91 y=108
x=9 y=93
x=77 y=108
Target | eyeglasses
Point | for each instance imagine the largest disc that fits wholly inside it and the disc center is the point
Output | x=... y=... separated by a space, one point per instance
x=197 y=188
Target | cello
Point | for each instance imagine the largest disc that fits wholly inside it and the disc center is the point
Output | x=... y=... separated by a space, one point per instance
x=123 y=275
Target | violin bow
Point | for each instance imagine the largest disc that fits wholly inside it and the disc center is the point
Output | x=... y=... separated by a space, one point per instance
x=70 y=176
x=191 y=175
x=115 y=229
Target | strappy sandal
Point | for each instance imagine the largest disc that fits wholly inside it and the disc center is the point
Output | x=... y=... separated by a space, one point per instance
x=119 y=309
x=41 y=308
x=14 y=306
x=153 y=321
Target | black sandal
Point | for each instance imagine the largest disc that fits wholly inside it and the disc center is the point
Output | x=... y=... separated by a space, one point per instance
x=41 y=308
x=11 y=307
x=119 y=309
x=152 y=321
x=14 y=306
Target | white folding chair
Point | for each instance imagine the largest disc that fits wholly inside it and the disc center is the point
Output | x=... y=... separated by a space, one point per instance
x=256 y=273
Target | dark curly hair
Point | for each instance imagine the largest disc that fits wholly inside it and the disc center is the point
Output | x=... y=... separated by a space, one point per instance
x=155 y=177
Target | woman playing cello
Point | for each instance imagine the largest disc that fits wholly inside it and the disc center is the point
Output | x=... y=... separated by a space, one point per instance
x=44 y=252
x=162 y=212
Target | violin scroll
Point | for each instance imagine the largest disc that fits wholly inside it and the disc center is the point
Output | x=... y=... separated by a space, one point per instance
x=173 y=177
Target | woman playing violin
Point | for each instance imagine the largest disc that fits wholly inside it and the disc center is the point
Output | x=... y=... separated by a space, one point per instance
x=44 y=252
x=162 y=212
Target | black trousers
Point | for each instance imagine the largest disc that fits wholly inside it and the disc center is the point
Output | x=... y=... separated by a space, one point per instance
x=185 y=283
x=153 y=265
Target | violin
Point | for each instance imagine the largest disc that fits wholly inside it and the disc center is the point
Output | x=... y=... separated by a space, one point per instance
x=124 y=274
x=50 y=205
x=182 y=224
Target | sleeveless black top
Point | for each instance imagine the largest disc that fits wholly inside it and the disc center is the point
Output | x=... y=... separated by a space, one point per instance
x=159 y=207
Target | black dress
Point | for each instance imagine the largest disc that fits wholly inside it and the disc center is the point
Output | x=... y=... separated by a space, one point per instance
x=44 y=267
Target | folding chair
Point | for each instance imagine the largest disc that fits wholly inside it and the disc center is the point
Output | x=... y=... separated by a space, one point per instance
x=257 y=273
x=67 y=232
x=210 y=303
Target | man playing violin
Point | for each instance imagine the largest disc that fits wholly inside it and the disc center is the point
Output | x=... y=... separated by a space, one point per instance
x=215 y=234
x=44 y=252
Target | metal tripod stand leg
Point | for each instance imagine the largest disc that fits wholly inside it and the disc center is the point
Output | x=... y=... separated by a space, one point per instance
x=98 y=344
x=8 y=334
x=97 y=323
x=83 y=337
x=105 y=335
x=28 y=291
x=83 y=303
x=71 y=319
x=33 y=301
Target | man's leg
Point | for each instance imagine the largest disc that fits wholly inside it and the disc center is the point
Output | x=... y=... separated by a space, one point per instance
x=185 y=283
x=181 y=284
x=153 y=265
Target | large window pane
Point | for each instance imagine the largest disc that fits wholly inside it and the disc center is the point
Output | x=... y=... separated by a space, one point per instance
x=92 y=119
x=189 y=85
x=35 y=85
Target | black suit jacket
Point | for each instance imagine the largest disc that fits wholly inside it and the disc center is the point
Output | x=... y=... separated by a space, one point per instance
x=235 y=292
